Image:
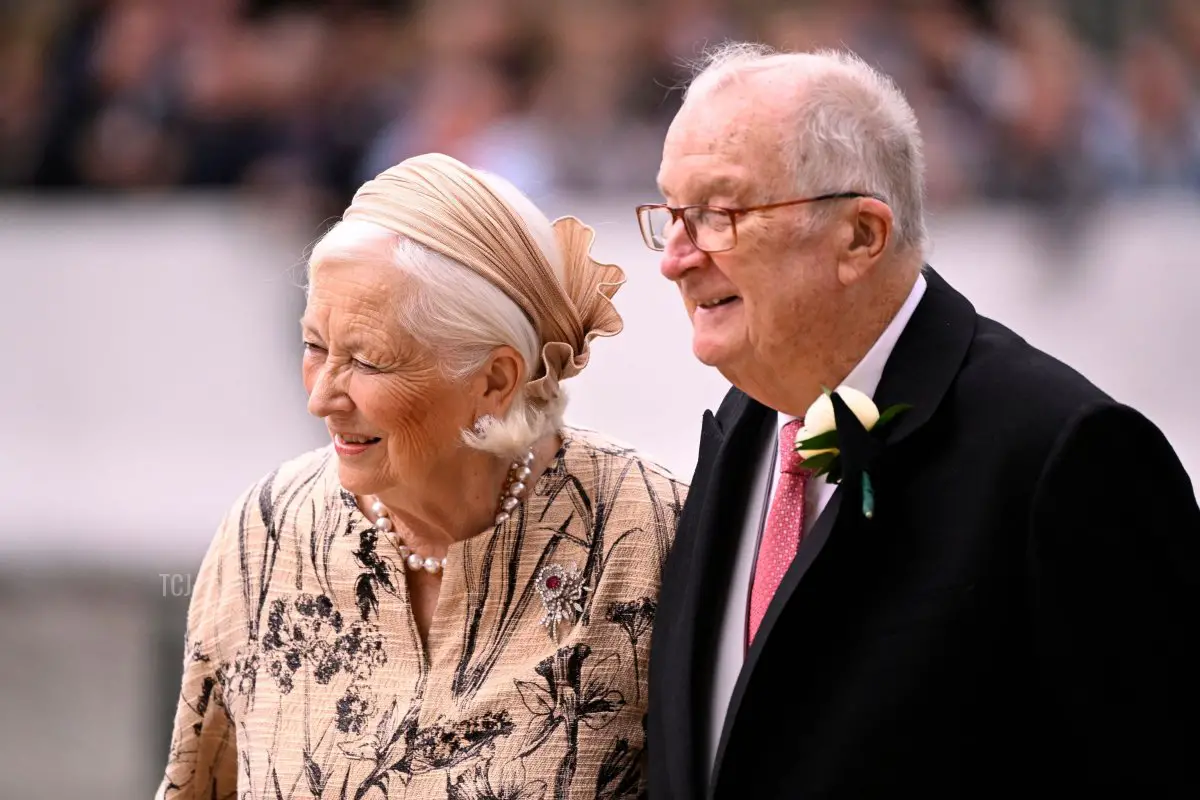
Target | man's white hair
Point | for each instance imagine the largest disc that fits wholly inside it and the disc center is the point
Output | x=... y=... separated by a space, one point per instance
x=462 y=317
x=855 y=131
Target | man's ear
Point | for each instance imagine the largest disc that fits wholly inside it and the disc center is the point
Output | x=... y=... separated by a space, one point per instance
x=497 y=381
x=871 y=226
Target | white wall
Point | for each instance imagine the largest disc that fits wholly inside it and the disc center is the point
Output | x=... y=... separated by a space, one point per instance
x=151 y=352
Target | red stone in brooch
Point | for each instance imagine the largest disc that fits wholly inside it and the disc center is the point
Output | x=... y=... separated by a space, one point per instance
x=562 y=591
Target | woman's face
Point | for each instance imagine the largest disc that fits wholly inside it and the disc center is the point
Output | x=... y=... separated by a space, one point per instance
x=394 y=419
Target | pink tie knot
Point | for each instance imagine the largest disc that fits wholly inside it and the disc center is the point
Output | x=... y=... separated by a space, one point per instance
x=789 y=459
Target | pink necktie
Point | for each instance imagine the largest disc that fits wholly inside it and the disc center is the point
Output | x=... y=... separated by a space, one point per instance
x=785 y=525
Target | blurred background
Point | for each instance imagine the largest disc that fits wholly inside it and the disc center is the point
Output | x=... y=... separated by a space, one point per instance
x=165 y=165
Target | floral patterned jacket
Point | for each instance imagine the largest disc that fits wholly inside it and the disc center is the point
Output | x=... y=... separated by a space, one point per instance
x=304 y=675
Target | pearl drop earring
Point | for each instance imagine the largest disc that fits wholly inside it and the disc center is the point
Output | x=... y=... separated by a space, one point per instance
x=515 y=486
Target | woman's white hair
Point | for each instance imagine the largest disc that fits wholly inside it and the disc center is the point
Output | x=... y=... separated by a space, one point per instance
x=855 y=129
x=462 y=317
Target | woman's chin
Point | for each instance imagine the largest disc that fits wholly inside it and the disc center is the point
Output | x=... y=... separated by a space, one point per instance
x=356 y=480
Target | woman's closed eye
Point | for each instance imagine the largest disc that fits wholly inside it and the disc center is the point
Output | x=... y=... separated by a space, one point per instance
x=311 y=348
x=365 y=366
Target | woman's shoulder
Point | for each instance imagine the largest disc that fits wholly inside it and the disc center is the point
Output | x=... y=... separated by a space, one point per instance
x=603 y=443
x=624 y=502
x=593 y=455
x=270 y=503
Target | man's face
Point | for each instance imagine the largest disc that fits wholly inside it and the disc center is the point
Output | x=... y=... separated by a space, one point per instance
x=754 y=304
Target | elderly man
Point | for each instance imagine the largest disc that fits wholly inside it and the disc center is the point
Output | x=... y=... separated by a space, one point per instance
x=991 y=591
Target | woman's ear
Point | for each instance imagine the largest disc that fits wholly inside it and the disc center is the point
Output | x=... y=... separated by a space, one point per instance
x=498 y=380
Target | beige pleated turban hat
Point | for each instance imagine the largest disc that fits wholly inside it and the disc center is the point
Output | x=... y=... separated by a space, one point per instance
x=444 y=205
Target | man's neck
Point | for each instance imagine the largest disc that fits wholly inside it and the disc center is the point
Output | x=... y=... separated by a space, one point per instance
x=792 y=383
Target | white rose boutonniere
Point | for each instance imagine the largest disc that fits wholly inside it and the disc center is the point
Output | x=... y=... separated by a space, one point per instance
x=818 y=440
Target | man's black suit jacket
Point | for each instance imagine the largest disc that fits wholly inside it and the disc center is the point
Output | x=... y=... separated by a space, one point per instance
x=1019 y=618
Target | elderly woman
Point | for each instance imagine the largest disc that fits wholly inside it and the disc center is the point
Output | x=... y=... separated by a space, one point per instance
x=455 y=597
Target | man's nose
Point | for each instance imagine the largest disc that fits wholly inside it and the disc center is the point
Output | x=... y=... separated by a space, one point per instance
x=680 y=255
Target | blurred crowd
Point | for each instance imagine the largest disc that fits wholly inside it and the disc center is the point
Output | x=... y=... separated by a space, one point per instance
x=1019 y=100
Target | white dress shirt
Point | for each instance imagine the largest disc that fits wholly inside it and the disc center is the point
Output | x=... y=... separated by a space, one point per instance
x=731 y=646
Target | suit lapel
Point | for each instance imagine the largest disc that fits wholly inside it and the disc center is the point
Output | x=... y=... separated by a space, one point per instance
x=919 y=371
x=726 y=461
x=927 y=356
x=810 y=547
x=691 y=551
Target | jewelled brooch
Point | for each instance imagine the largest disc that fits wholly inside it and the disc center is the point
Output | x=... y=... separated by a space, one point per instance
x=562 y=591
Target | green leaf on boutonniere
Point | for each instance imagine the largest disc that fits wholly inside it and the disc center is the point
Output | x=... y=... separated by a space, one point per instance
x=891 y=413
x=819 y=442
x=819 y=463
x=868 y=497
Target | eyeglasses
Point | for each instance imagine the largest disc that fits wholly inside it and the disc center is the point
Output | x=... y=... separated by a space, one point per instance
x=712 y=229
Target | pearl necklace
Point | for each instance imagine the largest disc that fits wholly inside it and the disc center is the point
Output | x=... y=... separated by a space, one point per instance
x=510 y=498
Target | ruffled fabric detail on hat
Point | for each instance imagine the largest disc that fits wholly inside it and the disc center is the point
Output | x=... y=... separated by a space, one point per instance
x=590 y=285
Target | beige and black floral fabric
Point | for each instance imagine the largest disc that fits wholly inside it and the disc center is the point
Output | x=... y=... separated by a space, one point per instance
x=304 y=675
